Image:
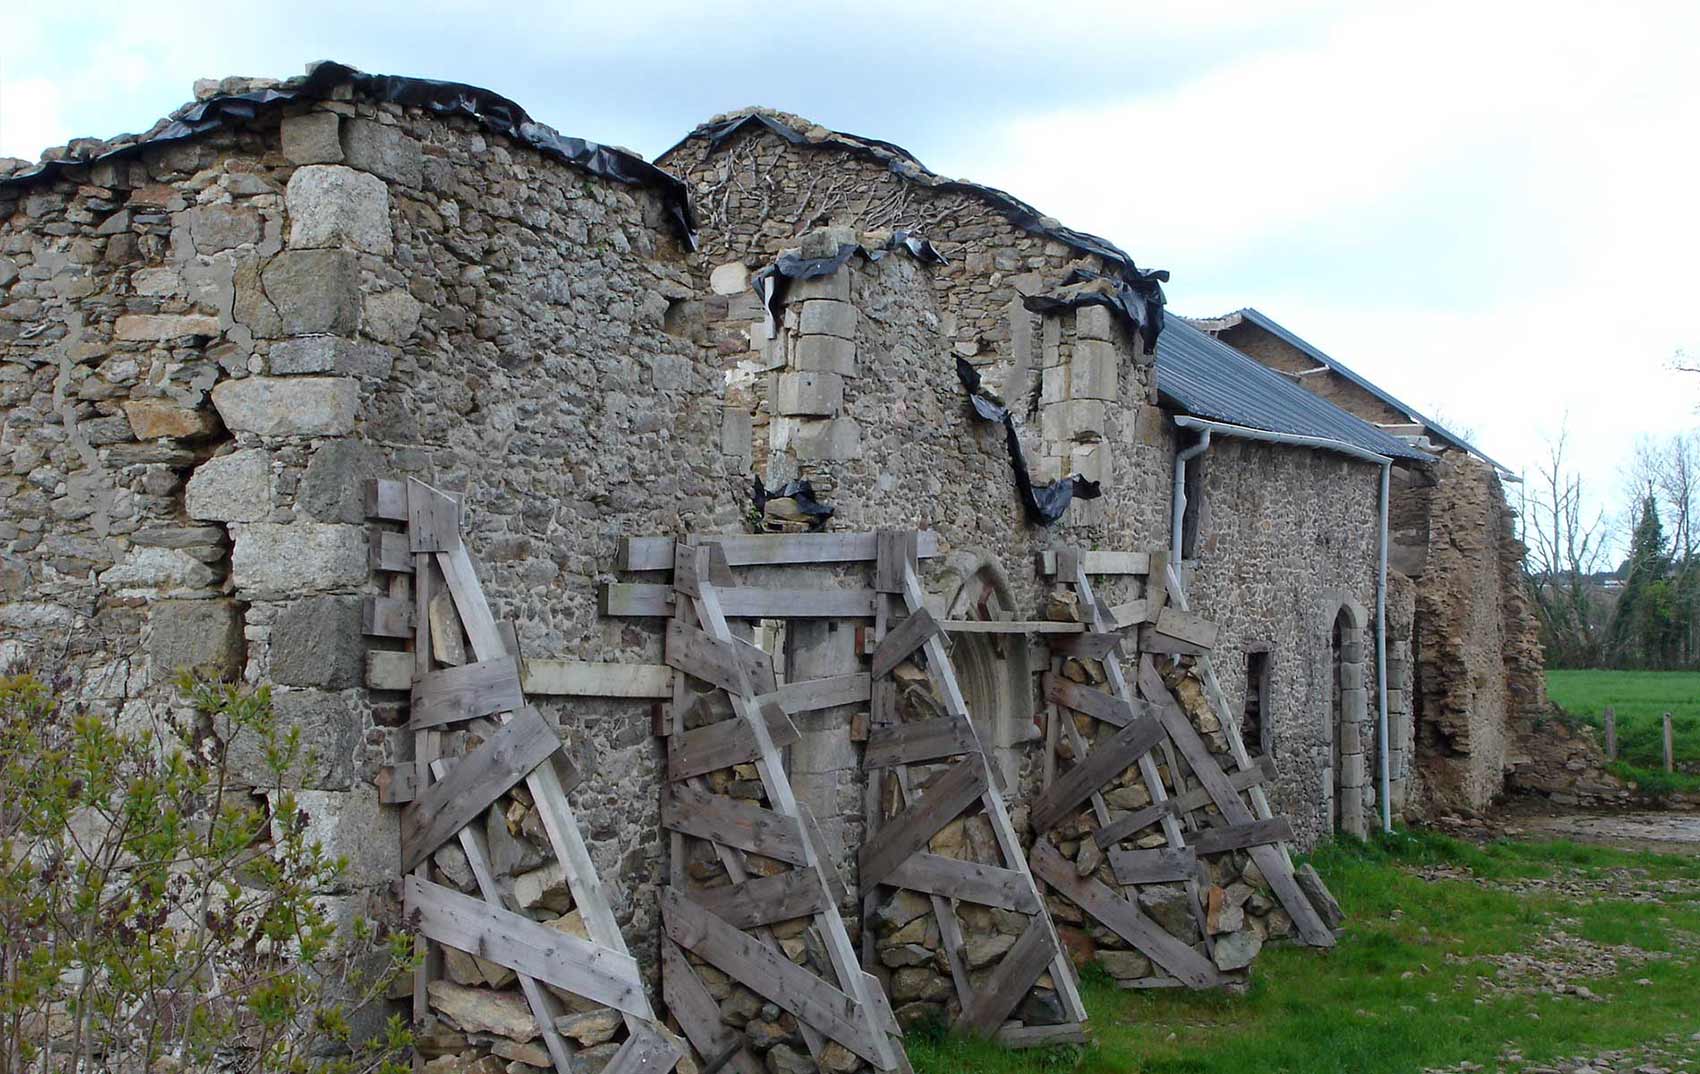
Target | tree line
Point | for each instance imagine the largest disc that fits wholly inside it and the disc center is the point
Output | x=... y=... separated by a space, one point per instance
x=1596 y=609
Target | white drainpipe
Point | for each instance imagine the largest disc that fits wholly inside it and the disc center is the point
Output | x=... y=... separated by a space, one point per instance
x=1178 y=506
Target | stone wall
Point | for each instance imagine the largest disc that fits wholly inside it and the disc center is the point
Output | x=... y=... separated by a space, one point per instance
x=1285 y=538
x=207 y=348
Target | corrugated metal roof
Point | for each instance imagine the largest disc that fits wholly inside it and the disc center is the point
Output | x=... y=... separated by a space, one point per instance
x=1202 y=376
x=1439 y=432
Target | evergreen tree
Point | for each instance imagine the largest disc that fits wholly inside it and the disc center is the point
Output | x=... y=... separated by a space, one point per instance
x=1643 y=627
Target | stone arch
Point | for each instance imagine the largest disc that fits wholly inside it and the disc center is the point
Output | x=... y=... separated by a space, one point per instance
x=992 y=669
x=1351 y=741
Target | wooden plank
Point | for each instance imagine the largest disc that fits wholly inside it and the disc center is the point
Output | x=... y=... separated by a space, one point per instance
x=462 y=579
x=891 y=555
x=918 y=741
x=941 y=802
x=647 y=599
x=724 y=744
x=1327 y=907
x=591 y=678
x=826 y=855
x=386 y=499
x=433 y=519
x=988 y=885
x=1123 y=917
x=689 y=1001
x=808 y=695
x=762 y=900
x=386 y=617
x=644 y=1052
x=764 y=549
x=389 y=669
x=467 y=692
x=1093 y=702
x=1158 y=866
x=1009 y=983
x=1269 y=858
x=1102 y=764
x=770 y=974
x=1152 y=640
x=1009 y=626
x=396 y=784
x=1101 y=562
x=904 y=639
x=729 y=665
x=1196 y=798
x=744 y=825
x=1017 y=1036
x=387 y=550
x=523 y=945
x=475 y=781
x=1241 y=836
x=1186 y=626
x=1130 y=613
x=543 y=1003
x=1087 y=646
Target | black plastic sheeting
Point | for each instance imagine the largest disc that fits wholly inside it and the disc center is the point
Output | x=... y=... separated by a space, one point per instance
x=1133 y=305
x=491 y=110
x=1044 y=504
x=799 y=490
x=1144 y=286
x=770 y=282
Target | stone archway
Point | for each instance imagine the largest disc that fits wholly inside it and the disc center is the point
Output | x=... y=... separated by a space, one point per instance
x=1351 y=741
x=992 y=670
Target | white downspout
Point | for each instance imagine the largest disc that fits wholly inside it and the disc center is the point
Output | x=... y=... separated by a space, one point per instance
x=1177 y=501
x=1205 y=428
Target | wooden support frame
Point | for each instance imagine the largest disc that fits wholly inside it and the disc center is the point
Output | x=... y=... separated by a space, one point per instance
x=444 y=801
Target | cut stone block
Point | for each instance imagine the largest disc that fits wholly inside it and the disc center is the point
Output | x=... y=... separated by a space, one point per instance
x=1095 y=322
x=383 y=151
x=1073 y=419
x=194 y=634
x=826 y=354
x=736 y=432
x=312 y=138
x=828 y=319
x=353 y=825
x=314 y=291
x=151 y=419
x=157 y=327
x=335 y=206
x=1352 y=770
x=834 y=287
x=1092 y=461
x=1053 y=384
x=729 y=279
x=329 y=737
x=317 y=642
x=288 y=406
x=1092 y=370
x=330 y=354
x=808 y=394
x=272 y=559
x=825 y=441
x=231 y=488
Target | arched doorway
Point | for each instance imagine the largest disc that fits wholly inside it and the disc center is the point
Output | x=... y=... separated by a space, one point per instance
x=991 y=669
x=1348 y=718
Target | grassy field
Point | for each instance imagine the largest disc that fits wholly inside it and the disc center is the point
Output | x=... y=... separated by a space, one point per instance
x=1427 y=974
x=1641 y=698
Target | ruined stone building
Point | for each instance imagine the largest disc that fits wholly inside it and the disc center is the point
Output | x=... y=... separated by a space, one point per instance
x=214 y=335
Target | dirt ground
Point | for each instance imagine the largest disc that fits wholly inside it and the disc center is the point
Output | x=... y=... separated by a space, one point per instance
x=1663 y=832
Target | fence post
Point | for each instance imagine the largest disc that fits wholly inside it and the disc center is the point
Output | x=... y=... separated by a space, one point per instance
x=1611 y=733
x=1670 y=746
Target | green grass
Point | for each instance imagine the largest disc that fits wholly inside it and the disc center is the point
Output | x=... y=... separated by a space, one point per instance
x=1641 y=698
x=1389 y=998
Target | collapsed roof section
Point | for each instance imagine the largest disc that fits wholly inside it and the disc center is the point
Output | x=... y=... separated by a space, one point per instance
x=1200 y=375
x=1146 y=283
x=1429 y=427
x=490 y=110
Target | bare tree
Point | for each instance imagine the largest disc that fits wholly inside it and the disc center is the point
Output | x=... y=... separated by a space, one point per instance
x=1566 y=550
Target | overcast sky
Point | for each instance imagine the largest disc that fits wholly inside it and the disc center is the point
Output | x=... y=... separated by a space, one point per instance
x=1489 y=209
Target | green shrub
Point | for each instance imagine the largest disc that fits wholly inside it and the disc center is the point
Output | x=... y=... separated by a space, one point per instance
x=156 y=917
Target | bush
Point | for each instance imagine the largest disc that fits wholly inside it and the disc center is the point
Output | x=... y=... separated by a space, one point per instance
x=156 y=918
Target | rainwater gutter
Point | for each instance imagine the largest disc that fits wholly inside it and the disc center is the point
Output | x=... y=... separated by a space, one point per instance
x=1205 y=429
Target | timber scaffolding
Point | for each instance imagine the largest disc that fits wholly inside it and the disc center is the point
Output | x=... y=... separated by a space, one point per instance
x=755 y=902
